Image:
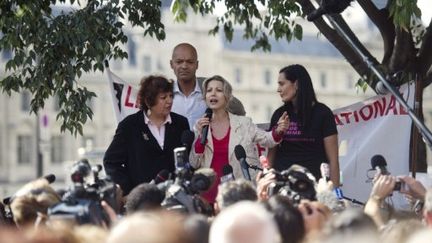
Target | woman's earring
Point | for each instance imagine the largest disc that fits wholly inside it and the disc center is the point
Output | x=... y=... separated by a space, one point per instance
x=148 y=113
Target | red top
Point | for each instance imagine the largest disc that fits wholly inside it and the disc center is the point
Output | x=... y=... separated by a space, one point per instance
x=219 y=160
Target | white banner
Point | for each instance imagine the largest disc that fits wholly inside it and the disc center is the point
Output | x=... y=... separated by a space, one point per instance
x=124 y=96
x=379 y=125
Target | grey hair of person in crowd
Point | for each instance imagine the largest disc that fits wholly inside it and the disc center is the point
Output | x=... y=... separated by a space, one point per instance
x=244 y=222
x=227 y=88
x=154 y=227
x=351 y=225
x=234 y=191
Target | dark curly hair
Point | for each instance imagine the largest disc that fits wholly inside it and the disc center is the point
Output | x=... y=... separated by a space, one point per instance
x=150 y=87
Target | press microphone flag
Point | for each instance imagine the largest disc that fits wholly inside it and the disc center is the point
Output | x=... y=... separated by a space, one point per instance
x=227 y=171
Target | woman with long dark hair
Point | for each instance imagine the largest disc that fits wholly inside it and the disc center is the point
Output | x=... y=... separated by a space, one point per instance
x=311 y=138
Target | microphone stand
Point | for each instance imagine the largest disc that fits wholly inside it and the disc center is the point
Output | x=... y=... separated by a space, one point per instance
x=426 y=133
x=353 y=200
x=254 y=167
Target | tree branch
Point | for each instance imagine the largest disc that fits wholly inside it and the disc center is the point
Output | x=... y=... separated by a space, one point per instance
x=382 y=21
x=425 y=53
x=344 y=48
x=403 y=56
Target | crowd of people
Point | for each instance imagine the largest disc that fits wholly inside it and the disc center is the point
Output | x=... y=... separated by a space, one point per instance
x=209 y=194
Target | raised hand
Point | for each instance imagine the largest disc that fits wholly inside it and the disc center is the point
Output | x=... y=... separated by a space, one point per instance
x=282 y=124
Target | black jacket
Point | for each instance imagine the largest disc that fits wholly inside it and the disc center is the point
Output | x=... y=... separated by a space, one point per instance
x=134 y=156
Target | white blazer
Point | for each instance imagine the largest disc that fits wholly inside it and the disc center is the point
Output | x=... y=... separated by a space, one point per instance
x=244 y=132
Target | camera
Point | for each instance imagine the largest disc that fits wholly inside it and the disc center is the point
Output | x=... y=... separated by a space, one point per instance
x=82 y=201
x=182 y=194
x=296 y=183
x=399 y=185
x=180 y=157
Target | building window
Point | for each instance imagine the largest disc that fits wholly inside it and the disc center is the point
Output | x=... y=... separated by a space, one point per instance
x=25 y=101
x=56 y=103
x=87 y=142
x=267 y=77
x=147 y=64
x=131 y=51
x=57 y=149
x=24 y=149
x=238 y=75
x=323 y=80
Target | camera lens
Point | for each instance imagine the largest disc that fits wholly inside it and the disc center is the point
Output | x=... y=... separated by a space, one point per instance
x=397 y=186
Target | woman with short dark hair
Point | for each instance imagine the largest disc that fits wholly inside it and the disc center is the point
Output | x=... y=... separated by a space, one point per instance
x=311 y=138
x=143 y=143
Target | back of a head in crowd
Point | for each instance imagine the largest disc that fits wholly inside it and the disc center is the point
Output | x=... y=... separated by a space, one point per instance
x=288 y=218
x=235 y=191
x=198 y=227
x=244 y=222
x=398 y=231
x=351 y=223
x=144 y=197
x=154 y=227
x=32 y=199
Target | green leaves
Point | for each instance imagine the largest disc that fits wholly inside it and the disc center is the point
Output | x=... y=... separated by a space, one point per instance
x=53 y=48
x=402 y=11
x=277 y=20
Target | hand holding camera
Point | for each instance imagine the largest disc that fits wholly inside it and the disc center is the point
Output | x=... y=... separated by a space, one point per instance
x=412 y=187
x=383 y=186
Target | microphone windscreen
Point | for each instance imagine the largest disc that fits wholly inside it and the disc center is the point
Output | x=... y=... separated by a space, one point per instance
x=6 y=200
x=203 y=179
x=239 y=152
x=227 y=169
x=378 y=161
x=162 y=176
x=187 y=138
x=50 y=178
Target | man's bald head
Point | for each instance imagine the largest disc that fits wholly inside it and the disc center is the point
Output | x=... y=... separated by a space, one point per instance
x=185 y=46
x=184 y=63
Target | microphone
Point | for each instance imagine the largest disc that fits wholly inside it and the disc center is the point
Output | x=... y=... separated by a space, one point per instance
x=187 y=139
x=380 y=88
x=379 y=163
x=325 y=171
x=208 y=114
x=227 y=171
x=240 y=154
x=329 y=7
x=50 y=178
x=202 y=180
x=162 y=176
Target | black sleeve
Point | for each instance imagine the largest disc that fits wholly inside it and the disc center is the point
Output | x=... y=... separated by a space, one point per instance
x=329 y=124
x=116 y=159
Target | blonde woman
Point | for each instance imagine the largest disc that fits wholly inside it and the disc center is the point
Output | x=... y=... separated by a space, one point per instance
x=226 y=131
